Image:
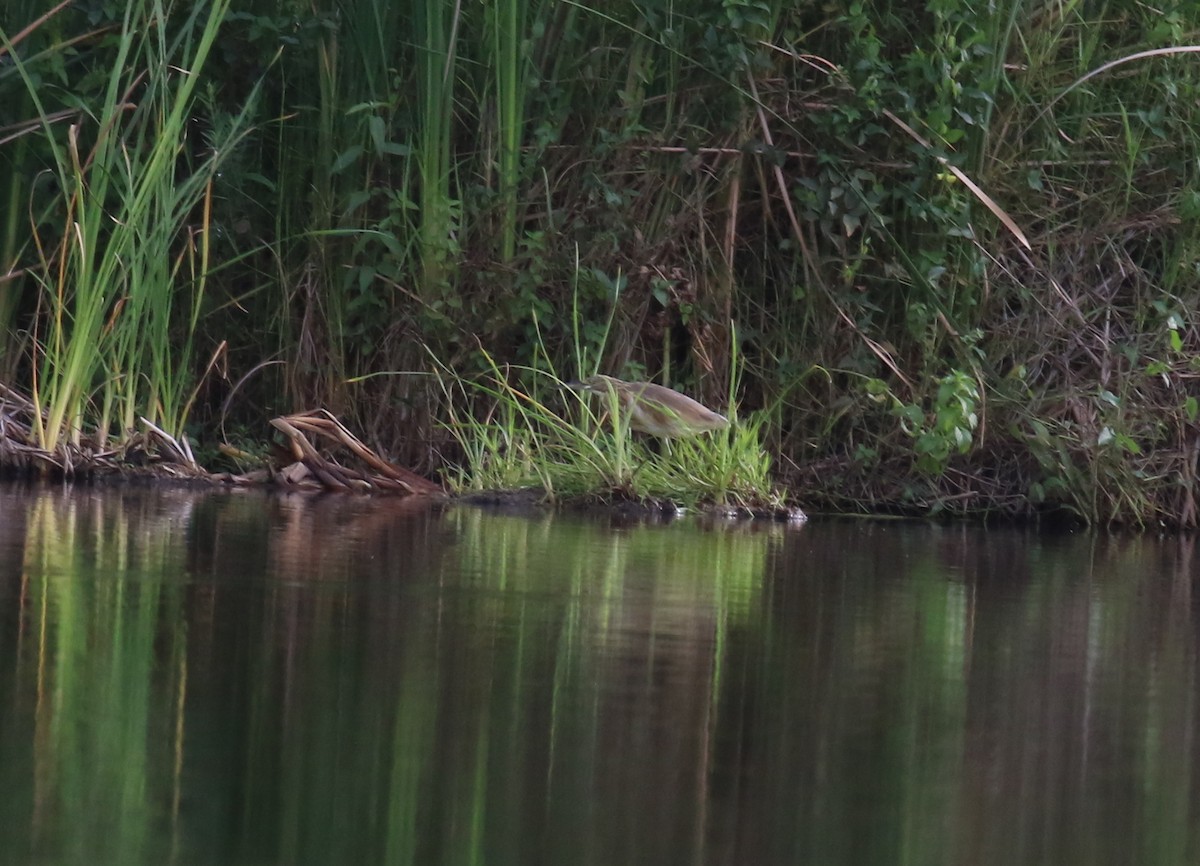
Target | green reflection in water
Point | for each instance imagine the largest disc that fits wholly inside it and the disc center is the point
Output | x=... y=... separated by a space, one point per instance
x=639 y=617
x=245 y=679
x=105 y=758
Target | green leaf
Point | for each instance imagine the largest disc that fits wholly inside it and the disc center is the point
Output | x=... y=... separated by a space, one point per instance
x=1128 y=445
x=378 y=130
x=346 y=158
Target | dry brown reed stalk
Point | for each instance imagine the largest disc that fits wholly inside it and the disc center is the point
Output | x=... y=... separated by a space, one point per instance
x=381 y=477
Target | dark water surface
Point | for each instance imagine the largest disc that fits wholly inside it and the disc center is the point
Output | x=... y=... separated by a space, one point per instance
x=238 y=678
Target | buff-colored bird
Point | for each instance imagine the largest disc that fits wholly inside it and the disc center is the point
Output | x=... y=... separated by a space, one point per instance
x=655 y=409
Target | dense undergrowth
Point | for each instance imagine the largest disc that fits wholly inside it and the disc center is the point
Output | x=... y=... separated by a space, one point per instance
x=958 y=241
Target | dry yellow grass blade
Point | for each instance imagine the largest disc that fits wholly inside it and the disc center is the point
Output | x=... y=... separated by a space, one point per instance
x=987 y=200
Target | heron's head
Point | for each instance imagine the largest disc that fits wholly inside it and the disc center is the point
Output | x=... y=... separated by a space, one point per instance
x=601 y=383
x=597 y=384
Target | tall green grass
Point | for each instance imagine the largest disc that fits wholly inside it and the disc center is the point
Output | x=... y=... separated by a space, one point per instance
x=438 y=23
x=507 y=30
x=520 y=428
x=685 y=191
x=112 y=341
x=15 y=185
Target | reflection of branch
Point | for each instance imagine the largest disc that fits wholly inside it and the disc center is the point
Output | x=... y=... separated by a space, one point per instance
x=332 y=475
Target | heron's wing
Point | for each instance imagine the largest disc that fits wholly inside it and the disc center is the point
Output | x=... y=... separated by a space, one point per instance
x=677 y=404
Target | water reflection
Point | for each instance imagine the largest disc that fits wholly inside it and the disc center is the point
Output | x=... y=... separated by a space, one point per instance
x=239 y=678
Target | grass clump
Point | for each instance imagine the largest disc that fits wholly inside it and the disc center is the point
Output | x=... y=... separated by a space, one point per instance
x=122 y=234
x=523 y=428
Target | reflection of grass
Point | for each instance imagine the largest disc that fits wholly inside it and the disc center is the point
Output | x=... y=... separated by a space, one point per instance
x=97 y=586
x=682 y=563
x=596 y=611
x=546 y=436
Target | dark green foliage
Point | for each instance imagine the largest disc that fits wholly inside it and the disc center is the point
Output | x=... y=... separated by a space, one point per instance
x=528 y=180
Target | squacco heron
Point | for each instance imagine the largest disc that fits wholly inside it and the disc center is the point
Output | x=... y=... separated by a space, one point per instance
x=655 y=409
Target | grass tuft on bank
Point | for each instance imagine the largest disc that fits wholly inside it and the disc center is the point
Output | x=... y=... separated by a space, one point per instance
x=573 y=446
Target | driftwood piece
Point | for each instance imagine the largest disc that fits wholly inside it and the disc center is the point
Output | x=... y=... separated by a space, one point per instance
x=380 y=476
